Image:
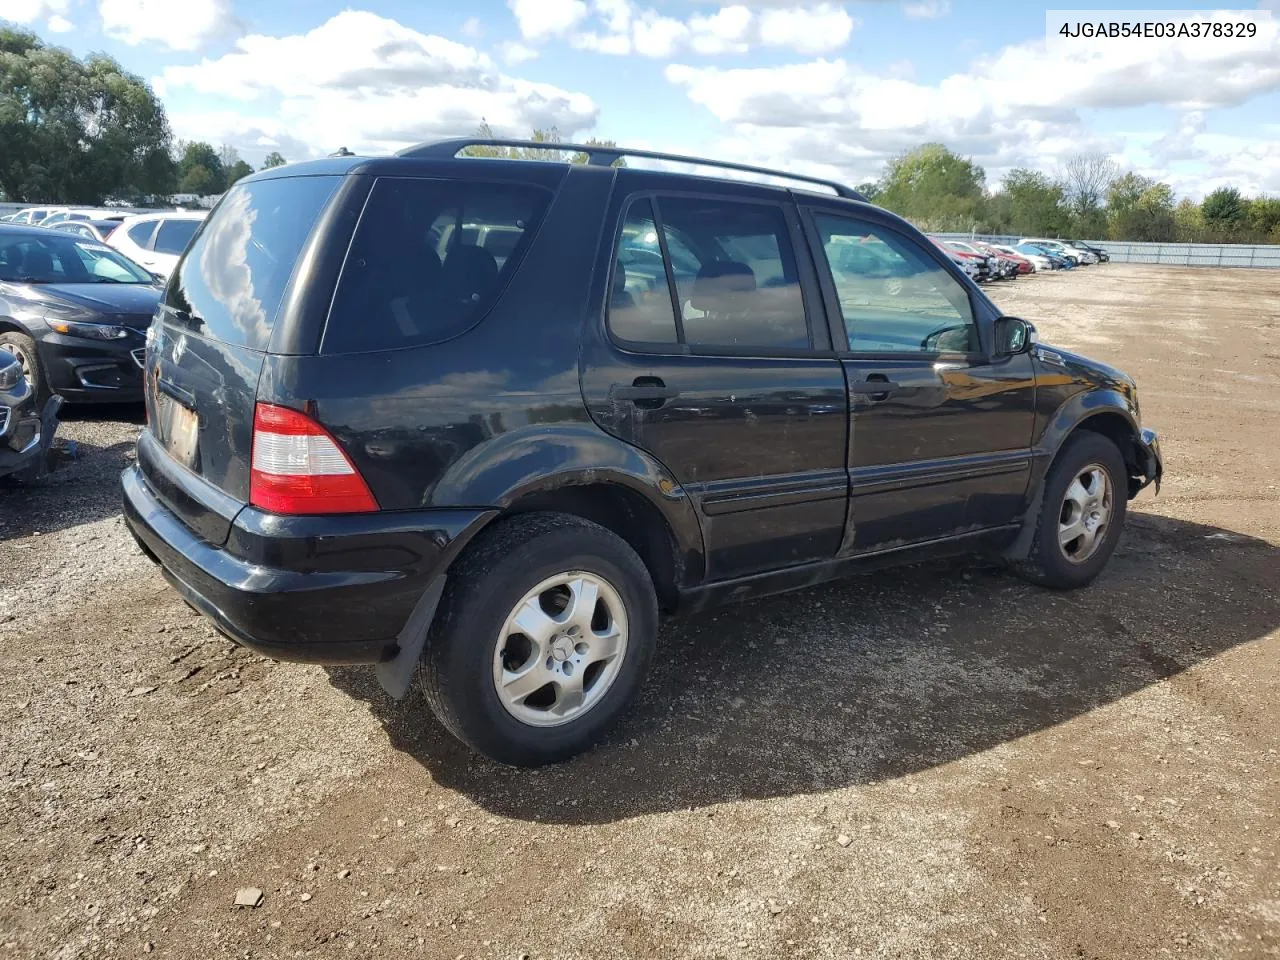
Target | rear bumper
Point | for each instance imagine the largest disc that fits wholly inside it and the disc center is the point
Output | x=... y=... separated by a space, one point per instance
x=351 y=585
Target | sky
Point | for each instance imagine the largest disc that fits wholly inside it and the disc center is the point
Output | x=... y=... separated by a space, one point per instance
x=827 y=88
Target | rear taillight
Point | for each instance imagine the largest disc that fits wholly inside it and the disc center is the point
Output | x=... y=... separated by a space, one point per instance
x=299 y=468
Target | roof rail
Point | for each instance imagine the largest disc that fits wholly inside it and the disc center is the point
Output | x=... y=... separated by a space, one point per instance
x=603 y=156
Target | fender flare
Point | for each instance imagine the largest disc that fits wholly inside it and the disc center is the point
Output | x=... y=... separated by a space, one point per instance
x=544 y=458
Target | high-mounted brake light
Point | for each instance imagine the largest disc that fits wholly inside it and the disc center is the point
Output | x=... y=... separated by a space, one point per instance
x=298 y=467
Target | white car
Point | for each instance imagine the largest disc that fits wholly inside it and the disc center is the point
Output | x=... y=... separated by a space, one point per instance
x=1038 y=261
x=34 y=216
x=85 y=213
x=156 y=240
x=1061 y=249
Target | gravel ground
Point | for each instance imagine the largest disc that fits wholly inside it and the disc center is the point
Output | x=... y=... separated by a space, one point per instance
x=936 y=762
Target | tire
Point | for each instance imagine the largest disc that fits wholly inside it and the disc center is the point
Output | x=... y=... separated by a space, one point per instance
x=1067 y=566
x=24 y=348
x=475 y=649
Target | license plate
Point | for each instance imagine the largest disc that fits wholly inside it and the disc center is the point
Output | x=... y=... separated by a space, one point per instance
x=181 y=428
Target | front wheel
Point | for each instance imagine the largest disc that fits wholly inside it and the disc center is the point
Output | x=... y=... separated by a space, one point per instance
x=23 y=349
x=1081 y=514
x=545 y=634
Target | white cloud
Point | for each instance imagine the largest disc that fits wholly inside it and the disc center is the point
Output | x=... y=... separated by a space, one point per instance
x=621 y=27
x=543 y=19
x=370 y=83
x=834 y=113
x=176 y=24
x=60 y=24
x=472 y=28
x=927 y=9
x=515 y=53
x=29 y=11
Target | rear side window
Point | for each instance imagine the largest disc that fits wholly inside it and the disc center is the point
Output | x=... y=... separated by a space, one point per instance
x=428 y=259
x=140 y=233
x=174 y=235
x=736 y=281
x=233 y=277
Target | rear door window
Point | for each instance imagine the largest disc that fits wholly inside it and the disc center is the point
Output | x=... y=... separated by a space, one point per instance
x=734 y=272
x=174 y=235
x=428 y=259
x=140 y=233
x=234 y=275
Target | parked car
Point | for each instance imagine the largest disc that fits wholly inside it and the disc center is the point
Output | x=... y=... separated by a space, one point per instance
x=372 y=437
x=984 y=267
x=1098 y=252
x=156 y=240
x=62 y=216
x=1034 y=257
x=1016 y=261
x=75 y=313
x=1002 y=267
x=1061 y=249
x=98 y=230
x=1053 y=261
x=26 y=428
x=34 y=216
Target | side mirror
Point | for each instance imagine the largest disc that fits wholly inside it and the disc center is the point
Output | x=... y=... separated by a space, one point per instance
x=1014 y=336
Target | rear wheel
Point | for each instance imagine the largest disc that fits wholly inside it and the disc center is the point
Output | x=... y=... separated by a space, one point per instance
x=1081 y=515
x=23 y=349
x=546 y=631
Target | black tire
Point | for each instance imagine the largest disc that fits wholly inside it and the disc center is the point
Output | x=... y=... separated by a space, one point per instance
x=484 y=588
x=24 y=348
x=1048 y=563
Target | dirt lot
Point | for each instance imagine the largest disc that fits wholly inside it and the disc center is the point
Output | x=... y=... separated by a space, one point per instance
x=941 y=762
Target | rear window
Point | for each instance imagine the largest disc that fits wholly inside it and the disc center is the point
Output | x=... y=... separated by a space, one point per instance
x=174 y=235
x=234 y=274
x=428 y=259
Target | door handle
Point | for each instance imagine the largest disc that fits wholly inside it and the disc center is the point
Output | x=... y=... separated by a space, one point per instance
x=646 y=392
x=873 y=389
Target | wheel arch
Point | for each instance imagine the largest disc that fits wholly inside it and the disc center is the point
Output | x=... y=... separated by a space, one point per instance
x=580 y=470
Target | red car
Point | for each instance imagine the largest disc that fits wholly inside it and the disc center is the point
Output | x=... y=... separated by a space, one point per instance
x=1023 y=264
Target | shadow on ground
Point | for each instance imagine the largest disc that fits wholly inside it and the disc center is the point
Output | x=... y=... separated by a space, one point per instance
x=875 y=677
x=83 y=483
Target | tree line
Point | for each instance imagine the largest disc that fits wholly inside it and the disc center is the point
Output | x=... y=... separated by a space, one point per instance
x=82 y=131
x=1088 y=197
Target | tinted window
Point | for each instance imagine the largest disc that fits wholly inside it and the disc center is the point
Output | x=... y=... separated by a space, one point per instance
x=640 y=307
x=745 y=291
x=140 y=233
x=174 y=235
x=428 y=259
x=893 y=296
x=734 y=272
x=233 y=276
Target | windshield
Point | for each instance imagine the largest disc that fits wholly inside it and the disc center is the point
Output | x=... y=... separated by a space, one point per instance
x=64 y=258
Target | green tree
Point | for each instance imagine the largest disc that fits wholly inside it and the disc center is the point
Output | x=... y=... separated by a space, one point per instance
x=238 y=170
x=935 y=188
x=1224 y=212
x=1188 y=224
x=1139 y=208
x=1264 y=218
x=198 y=179
x=273 y=159
x=213 y=178
x=77 y=131
x=1036 y=205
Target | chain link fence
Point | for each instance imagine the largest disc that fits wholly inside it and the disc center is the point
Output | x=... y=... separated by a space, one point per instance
x=1167 y=254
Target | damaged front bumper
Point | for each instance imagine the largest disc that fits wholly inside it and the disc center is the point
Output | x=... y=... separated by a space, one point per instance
x=1150 y=463
x=24 y=447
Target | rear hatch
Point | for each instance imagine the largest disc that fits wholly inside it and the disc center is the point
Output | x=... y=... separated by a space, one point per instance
x=208 y=343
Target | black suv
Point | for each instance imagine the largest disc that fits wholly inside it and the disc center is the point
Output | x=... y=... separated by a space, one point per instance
x=491 y=417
